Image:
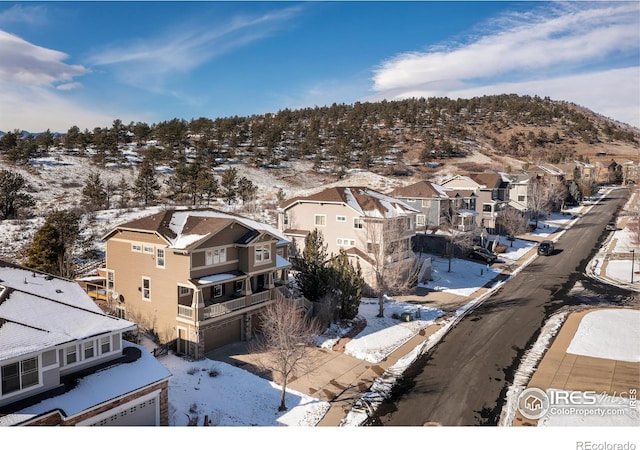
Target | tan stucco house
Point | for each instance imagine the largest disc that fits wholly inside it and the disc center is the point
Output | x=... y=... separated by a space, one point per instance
x=439 y=206
x=358 y=220
x=196 y=276
x=492 y=190
x=65 y=362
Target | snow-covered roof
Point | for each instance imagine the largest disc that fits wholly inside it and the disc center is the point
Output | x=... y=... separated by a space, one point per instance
x=184 y=228
x=365 y=201
x=38 y=311
x=217 y=278
x=97 y=388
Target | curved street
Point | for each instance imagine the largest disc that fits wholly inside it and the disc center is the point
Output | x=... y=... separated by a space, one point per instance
x=463 y=380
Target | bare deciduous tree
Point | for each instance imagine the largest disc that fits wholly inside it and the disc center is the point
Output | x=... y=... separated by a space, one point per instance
x=393 y=267
x=284 y=342
x=455 y=235
x=538 y=198
x=513 y=222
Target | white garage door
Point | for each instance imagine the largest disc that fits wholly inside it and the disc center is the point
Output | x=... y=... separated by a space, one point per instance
x=142 y=414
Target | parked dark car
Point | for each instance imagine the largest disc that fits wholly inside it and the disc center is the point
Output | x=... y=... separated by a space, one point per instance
x=483 y=254
x=546 y=248
x=611 y=226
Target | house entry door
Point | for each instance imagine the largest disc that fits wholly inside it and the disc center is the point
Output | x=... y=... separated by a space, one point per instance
x=182 y=345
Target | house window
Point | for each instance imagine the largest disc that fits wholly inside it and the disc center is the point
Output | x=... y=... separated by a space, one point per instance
x=320 y=220
x=182 y=291
x=341 y=218
x=111 y=280
x=420 y=219
x=148 y=249
x=263 y=253
x=136 y=248
x=285 y=220
x=239 y=286
x=160 y=257
x=216 y=256
x=89 y=350
x=146 y=288
x=345 y=241
x=105 y=345
x=486 y=207
x=358 y=223
x=71 y=354
x=217 y=291
x=426 y=203
x=19 y=375
x=521 y=198
x=121 y=313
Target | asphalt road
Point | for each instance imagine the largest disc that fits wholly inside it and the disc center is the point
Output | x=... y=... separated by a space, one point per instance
x=464 y=379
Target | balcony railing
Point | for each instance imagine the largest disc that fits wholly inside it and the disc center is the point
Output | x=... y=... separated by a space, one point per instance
x=185 y=311
x=260 y=297
x=219 y=309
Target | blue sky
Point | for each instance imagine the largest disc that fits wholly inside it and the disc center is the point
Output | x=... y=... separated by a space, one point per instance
x=88 y=63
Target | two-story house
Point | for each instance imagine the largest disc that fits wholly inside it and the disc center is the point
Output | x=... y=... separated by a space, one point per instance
x=492 y=190
x=359 y=220
x=196 y=276
x=64 y=361
x=439 y=206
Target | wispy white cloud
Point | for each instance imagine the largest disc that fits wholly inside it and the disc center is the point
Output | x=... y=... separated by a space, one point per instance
x=69 y=86
x=29 y=14
x=188 y=46
x=27 y=64
x=536 y=50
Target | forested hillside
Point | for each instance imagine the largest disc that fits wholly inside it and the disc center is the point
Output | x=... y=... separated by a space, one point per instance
x=363 y=135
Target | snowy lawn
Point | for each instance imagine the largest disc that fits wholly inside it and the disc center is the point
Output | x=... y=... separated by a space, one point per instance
x=229 y=396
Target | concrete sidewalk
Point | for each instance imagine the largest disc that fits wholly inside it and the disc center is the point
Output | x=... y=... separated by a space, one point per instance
x=561 y=370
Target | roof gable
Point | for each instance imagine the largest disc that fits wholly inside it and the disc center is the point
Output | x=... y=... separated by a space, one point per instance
x=421 y=189
x=364 y=201
x=185 y=229
x=38 y=311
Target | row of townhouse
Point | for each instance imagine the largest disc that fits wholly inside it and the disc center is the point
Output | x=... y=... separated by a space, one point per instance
x=200 y=277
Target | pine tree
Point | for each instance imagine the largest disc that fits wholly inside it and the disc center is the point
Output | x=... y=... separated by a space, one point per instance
x=123 y=190
x=43 y=252
x=146 y=186
x=312 y=275
x=246 y=189
x=52 y=245
x=347 y=285
x=229 y=184
x=94 y=191
x=12 y=199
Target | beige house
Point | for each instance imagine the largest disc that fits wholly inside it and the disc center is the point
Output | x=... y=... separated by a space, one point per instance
x=65 y=362
x=492 y=190
x=439 y=206
x=359 y=220
x=196 y=276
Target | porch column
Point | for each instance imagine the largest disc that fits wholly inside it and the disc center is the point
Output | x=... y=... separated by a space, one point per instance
x=269 y=284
